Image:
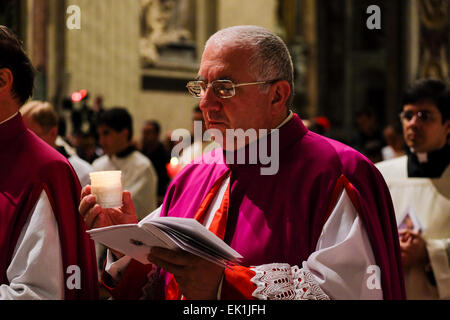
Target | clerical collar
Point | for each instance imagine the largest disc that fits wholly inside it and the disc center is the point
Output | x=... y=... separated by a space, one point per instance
x=15 y=114
x=290 y=131
x=428 y=165
x=125 y=153
x=289 y=117
x=422 y=157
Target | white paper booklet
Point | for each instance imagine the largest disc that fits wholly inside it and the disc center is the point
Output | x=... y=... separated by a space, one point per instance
x=135 y=240
x=410 y=221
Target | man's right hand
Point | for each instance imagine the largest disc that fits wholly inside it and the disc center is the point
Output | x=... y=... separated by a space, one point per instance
x=97 y=217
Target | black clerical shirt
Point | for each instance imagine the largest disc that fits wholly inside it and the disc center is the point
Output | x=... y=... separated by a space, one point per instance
x=435 y=165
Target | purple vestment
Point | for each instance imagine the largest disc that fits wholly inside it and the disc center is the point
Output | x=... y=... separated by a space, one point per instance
x=279 y=218
x=28 y=166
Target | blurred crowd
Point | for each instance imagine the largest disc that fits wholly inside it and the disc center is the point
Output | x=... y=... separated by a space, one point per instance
x=376 y=142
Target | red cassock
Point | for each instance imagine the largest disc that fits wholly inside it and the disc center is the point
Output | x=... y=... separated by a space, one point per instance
x=27 y=167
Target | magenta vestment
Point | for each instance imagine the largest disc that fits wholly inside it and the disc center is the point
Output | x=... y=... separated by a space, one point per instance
x=27 y=167
x=279 y=218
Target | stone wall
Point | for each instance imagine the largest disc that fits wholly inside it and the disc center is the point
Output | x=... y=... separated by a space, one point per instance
x=103 y=56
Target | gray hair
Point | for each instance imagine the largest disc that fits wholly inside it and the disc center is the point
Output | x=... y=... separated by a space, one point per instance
x=271 y=59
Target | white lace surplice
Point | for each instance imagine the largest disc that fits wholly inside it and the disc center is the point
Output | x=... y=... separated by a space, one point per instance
x=342 y=267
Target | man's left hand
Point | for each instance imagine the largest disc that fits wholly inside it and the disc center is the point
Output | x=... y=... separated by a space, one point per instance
x=413 y=249
x=197 y=279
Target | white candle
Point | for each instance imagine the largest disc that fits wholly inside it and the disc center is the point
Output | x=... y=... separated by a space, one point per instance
x=107 y=187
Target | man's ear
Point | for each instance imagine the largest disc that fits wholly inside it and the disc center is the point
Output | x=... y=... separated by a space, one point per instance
x=6 y=80
x=125 y=133
x=280 y=92
x=53 y=133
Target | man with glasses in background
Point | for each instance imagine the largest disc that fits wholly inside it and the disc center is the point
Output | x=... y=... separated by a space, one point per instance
x=419 y=183
x=320 y=227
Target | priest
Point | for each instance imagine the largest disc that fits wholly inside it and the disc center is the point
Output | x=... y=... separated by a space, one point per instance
x=314 y=222
x=45 y=252
x=420 y=186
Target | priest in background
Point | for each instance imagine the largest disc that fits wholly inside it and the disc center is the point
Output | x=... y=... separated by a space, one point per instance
x=419 y=183
x=45 y=252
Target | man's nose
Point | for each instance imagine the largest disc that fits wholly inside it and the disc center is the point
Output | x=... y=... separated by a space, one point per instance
x=414 y=120
x=210 y=100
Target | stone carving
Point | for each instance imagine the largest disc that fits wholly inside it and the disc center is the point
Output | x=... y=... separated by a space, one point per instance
x=434 y=18
x=164 y=23
x=434 y=13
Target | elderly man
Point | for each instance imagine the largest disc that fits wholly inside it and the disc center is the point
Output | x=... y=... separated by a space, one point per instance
x=321 y=226
x=420 y=187
x=45 y=252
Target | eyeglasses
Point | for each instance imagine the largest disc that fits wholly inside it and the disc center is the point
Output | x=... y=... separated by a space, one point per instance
x=423 y=116
x=224 y=89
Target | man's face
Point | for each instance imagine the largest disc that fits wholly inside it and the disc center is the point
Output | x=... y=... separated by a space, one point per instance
x=366 y=123
x=249 y=108
x=149 y=134
x=112 y=141
x=425 y=136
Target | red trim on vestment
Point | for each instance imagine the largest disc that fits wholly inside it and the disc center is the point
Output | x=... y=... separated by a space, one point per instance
x=237 y=284
x=218 y=225
x=342 y=183
x=135 y=277
x=203 y=209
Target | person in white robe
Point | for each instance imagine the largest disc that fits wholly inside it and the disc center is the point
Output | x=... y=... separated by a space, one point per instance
x=419 y=183
x=115 y=131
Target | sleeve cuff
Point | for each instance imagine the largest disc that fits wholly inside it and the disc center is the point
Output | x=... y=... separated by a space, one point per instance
x=237 y=284
x=115 y=268
x=132 y=282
